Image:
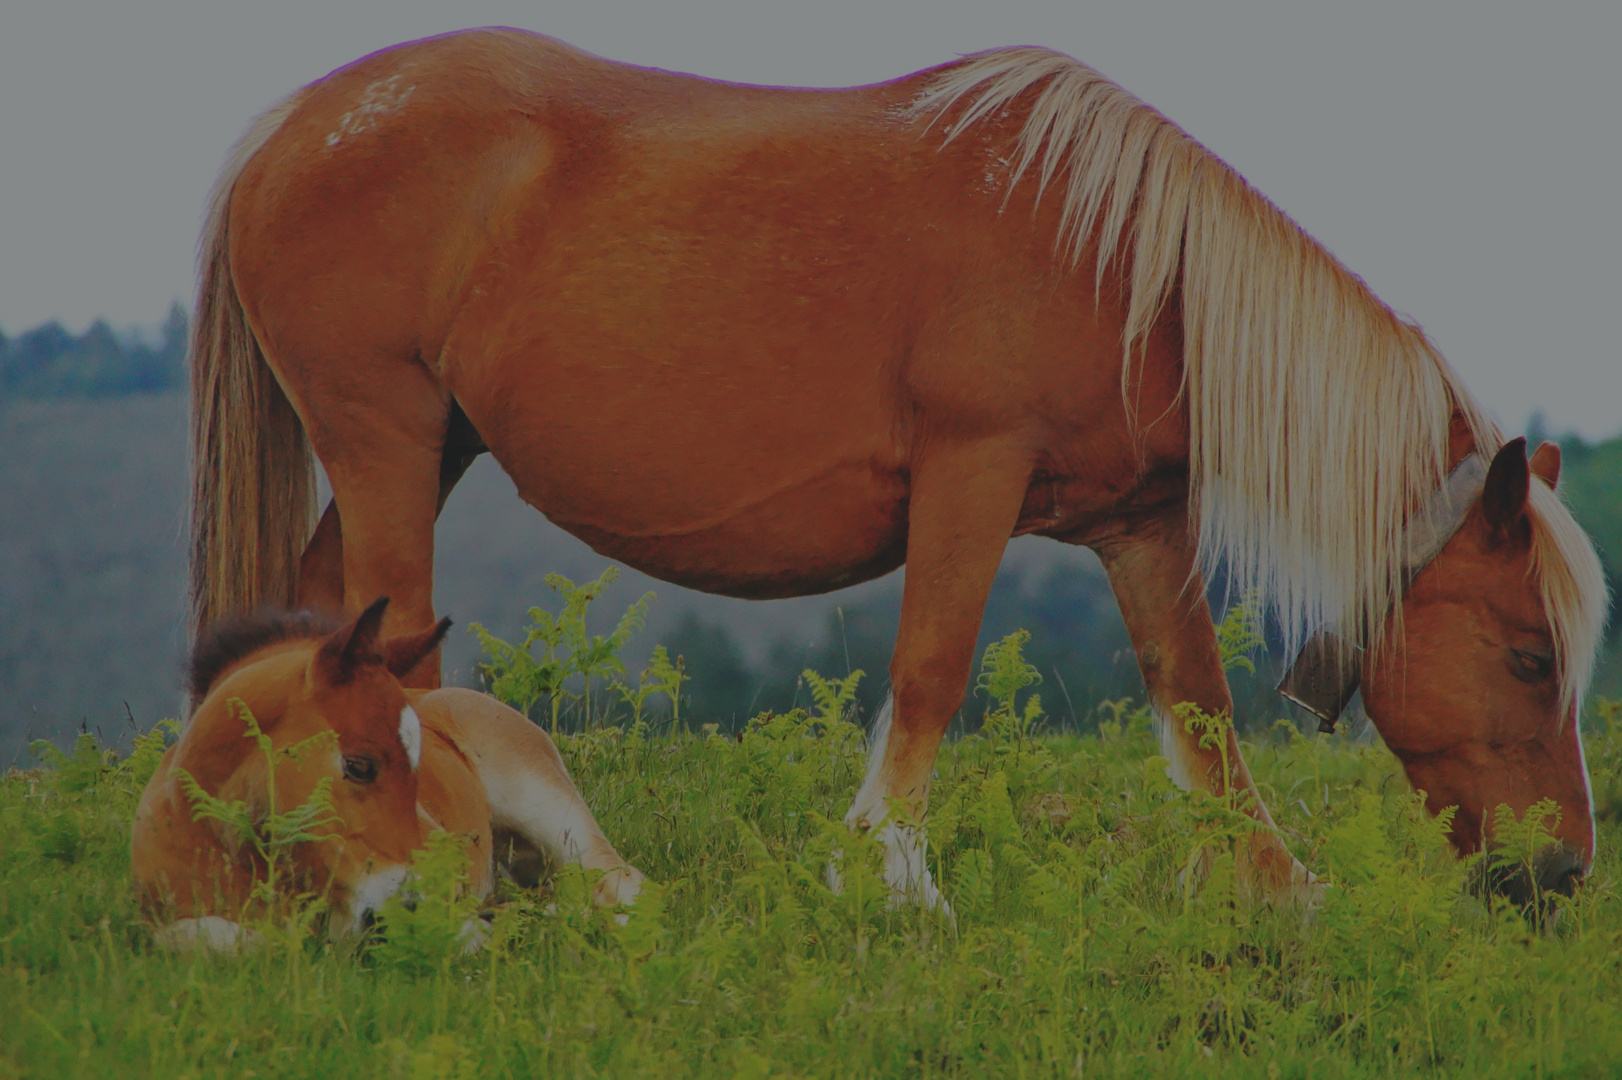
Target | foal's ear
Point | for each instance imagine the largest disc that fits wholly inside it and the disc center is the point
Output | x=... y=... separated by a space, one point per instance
x=355 y=645
x=1546 y=464
x=401 y=654
x=1503 y=497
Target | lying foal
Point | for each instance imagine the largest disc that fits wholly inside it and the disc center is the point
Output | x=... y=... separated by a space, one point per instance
x=399 y=764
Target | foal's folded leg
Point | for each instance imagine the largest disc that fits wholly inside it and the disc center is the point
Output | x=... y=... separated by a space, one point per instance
x=208 y=933
x=530 y=791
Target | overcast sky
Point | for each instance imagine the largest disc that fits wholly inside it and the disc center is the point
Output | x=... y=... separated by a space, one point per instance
x=1464 y=156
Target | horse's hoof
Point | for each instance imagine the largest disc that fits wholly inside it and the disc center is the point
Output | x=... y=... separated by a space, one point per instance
x=906 y=872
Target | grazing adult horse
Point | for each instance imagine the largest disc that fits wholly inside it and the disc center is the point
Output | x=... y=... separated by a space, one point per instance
x=769 y=342
x=398 y=764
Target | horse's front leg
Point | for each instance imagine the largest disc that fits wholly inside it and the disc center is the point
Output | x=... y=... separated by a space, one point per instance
x=1162 y=599
x=963 y=505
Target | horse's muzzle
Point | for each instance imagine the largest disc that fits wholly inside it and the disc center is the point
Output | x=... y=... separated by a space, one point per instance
x=1556 y=870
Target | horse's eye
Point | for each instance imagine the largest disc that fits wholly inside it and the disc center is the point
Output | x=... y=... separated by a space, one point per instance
x=1531 y=666
x=362 y=770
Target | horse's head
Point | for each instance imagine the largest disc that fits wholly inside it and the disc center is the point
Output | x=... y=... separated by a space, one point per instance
x=1477 y=691
x=341 y=689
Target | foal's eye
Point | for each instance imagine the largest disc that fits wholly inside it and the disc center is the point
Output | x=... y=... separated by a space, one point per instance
x=362 y=770
x=1531 y=666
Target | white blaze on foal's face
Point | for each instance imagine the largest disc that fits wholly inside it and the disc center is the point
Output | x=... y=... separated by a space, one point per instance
x=411 y=735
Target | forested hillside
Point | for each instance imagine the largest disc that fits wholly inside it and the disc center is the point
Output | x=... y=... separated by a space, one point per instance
x=48 y=362
x=92 y=433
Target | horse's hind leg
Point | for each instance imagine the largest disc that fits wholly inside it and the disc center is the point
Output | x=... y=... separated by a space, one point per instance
x=1162 y=600
x=378 y=424
x=963 y=506
x=321 y=569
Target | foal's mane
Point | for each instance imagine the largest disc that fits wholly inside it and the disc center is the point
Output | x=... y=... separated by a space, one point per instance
x=1319 y=418
x=235 y=637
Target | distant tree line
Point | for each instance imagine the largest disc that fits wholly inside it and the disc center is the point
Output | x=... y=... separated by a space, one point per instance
x=1591 y=481
x=49 y=362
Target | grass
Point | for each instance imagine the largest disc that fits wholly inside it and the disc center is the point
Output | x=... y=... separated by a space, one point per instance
x=1077 y=949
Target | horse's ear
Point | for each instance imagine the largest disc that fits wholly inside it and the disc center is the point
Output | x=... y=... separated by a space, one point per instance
x=1503 y=496
x=1546 y=464
x=401 y=654
x=355 y=645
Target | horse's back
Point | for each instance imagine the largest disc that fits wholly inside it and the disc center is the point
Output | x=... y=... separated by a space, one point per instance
x=398 y=179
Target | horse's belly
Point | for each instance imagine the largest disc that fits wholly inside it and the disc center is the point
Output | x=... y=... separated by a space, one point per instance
x=729 y=438
x=812 y=533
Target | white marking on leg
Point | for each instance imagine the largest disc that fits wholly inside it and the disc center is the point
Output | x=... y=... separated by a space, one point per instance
x=905 y=870
x=1174 y=747
x=1180 y=749
x=411 y=735
x=869 y=807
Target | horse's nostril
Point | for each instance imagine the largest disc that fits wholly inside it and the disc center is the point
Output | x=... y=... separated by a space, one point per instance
x=1561 y=871
x=1555 y=870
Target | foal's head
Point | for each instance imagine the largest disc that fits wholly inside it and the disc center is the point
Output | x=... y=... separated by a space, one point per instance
x=303 y=677
x=1478 y=692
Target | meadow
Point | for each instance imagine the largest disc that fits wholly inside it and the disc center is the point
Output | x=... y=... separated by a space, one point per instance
x=1096 y=929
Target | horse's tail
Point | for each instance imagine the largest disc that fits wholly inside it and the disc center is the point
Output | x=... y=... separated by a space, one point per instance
x=252 y=477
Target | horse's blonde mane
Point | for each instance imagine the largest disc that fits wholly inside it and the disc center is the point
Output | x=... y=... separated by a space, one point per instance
x=1568 y=572
x=1319 y=419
